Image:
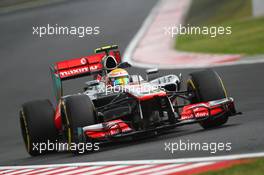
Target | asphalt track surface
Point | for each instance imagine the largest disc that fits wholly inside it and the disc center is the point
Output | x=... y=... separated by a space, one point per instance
x=24 y=76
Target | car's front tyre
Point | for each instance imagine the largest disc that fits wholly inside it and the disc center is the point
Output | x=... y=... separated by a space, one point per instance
x=78 y=111
x=207 y=86
x=37 y=126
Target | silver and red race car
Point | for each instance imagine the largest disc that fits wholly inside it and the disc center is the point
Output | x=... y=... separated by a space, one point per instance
x=103 y=113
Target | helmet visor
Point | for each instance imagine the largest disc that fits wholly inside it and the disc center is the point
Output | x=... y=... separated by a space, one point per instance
x=120 y=81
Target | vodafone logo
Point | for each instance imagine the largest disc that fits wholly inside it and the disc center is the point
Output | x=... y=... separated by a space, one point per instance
x=201 y=114
x=83 y=61
x=69 y=73
x=197 y=115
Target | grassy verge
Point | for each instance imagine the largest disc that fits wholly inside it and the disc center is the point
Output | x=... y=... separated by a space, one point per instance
x=7 y=6
x=8 y=3
x=208 y=12
x=255 y=167
x=247 y=33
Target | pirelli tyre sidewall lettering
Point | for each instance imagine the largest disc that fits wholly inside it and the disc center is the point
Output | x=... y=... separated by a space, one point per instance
x=24 y=128
x=66 y=122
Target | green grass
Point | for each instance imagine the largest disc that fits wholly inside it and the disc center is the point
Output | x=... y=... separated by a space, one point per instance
x=247 y=33
x=247 y=38
x=209 y=12
x=7 y=6
x=7 y=3
x=255 y=167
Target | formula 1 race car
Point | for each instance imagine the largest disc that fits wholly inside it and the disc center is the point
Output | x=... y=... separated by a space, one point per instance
x=104 y=112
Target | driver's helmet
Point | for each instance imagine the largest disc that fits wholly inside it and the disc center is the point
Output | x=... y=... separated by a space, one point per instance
x=118 y=77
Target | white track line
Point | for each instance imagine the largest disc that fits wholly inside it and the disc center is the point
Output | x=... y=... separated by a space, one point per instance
x=104 y=170
x=155 y=169
x=139 y=162
x=82 y=170
x=131 y=169
x=145 y=25
x=17 y=171
x=243 y=61
x=188 y=167
x=57 y=170
x=35 y=171
x=6 y=171
x=246 y=61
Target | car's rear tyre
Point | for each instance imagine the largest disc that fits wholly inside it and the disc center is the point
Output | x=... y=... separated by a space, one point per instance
x=37 y=125
x=207 y=86
x=78 y=111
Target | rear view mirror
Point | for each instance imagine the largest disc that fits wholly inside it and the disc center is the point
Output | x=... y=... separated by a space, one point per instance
x=109 y=63
x=152 y=71
x=124 y=65
x=92 y=83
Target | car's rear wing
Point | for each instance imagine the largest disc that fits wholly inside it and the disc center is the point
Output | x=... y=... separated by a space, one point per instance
x=78 y=67
x=83 y=66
